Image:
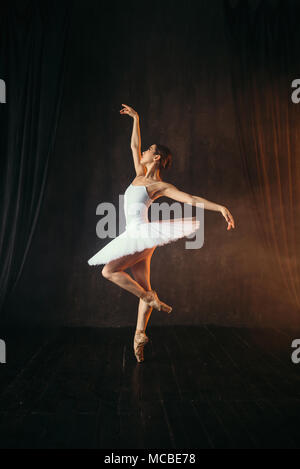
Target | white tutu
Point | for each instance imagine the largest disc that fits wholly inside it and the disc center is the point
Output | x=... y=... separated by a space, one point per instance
x=146 y=235
x=141 y=234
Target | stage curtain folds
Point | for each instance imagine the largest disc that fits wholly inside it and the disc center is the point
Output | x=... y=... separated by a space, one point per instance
x=263 y=39
x=33 y=36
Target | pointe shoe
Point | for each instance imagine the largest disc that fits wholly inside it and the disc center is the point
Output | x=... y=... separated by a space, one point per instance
x=140 y=340
x=152 y=300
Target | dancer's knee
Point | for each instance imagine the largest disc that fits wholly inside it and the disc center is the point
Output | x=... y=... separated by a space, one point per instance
x=106 y=272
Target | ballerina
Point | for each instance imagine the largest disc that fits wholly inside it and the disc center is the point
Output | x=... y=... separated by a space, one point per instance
x=135 y=252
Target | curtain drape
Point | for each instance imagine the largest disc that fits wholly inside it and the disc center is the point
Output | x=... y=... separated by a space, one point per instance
x=33 y=36
x=263 y=38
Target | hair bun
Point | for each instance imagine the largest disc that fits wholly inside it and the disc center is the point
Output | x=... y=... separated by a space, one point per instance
x=166 y=156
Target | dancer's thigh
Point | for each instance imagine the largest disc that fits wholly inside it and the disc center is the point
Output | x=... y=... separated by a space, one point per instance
x=141 y=270
x=124 y=262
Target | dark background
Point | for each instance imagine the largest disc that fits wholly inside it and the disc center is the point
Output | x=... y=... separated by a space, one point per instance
x=171 y=61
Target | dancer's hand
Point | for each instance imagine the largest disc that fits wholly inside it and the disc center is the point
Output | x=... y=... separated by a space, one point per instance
x=128 y=110
x=228 y=217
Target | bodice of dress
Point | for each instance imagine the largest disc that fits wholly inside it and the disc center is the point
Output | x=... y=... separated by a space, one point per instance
x=136 y=204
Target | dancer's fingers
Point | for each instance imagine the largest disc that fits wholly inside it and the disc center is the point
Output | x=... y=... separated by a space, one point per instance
x=128 y=108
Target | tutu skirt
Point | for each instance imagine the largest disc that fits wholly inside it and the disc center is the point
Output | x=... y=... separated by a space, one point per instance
x=138 y=237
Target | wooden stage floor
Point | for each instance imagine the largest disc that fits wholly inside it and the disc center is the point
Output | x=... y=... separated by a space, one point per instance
x=199 y=387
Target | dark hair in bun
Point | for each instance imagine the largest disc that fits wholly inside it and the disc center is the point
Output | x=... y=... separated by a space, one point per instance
x=165 y=156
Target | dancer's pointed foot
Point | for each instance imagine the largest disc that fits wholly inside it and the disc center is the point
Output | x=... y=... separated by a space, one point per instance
x=151 y=298
x=140 y=340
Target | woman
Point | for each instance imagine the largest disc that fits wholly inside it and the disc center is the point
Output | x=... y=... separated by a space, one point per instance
x=134 y=247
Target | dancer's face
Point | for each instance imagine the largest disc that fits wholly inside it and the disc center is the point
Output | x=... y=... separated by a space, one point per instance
x=148 y=155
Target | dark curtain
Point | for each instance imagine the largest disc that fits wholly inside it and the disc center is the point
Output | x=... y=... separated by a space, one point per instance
x=32 y=61
x=263 y=37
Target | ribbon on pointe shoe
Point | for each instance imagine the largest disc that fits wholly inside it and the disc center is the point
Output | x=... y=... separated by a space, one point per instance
x=151 y=298
x=140 y=340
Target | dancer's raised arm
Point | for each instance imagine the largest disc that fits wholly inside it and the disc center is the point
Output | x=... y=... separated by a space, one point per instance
x=171 y=191
x=135 y=139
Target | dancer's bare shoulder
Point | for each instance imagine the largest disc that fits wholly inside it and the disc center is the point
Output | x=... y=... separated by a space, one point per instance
x=155 y=189
x=162 y=189
x=166 y=189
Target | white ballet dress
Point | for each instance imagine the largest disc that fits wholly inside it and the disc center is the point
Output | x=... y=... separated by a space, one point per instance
x=140 y=233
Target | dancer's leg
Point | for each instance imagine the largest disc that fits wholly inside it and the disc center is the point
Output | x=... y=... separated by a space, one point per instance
x=141 y=272
x=114 y=271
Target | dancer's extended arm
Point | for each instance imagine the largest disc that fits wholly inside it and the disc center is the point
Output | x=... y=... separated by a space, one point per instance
x=171 y=191
x=135 y=143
